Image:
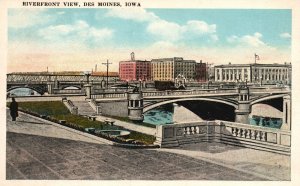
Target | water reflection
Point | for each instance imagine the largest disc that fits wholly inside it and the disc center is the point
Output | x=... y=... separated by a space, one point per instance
x=266 y=121
x=23 y=92
x=160 y=115
x=173 y=113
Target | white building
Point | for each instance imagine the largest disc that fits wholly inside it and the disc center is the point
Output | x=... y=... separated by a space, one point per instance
x=253 y=73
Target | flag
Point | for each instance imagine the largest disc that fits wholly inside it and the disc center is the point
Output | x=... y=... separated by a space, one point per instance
x=256 y=57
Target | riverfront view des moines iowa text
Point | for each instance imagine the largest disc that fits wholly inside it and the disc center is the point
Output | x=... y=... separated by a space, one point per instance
x=177 y=108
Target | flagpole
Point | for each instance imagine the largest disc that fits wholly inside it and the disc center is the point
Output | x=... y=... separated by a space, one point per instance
x=255 y=67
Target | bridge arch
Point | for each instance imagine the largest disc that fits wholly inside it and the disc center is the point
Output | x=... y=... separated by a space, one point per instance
x=266 y=98
x=227 y=102
x=78 y=87
x=38 y=90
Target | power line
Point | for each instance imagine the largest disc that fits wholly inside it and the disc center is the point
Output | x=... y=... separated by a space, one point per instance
x=107 y=65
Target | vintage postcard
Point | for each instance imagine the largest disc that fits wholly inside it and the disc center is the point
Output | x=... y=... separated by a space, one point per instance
x=184 y=91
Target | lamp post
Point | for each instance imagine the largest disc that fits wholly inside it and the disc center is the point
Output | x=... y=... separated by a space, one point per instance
x=261 y=80
x=88 y=87
x=209 y=78
x=87 y=74
x=237 y=82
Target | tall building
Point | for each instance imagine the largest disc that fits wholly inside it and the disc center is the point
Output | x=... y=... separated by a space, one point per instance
x=134 y=70
x=253 y=73
x=162 y=69
x=201 y=72
x=167 y=69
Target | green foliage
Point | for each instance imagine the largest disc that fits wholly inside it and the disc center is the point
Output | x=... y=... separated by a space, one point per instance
x=57 y=110
x=50 y=108
x=147 y=139
x=134 y=122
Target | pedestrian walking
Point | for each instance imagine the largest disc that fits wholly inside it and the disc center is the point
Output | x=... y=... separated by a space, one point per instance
x=13 y=110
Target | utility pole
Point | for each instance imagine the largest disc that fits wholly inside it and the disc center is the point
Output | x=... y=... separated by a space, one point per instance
x=107 y=65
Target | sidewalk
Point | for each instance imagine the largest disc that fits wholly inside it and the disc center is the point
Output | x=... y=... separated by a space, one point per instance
x=243 y=161
x=27 y=124
x=260 y=163
x=130 y=126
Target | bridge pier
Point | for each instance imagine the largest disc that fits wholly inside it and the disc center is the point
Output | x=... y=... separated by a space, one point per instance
x=135 y=106
x=286 y=123
x=244 y=107
x=88 y=91
x=50 y=87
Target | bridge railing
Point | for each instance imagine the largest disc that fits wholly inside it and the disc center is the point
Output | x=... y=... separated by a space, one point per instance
x=245 y=135
x=68 y=91
x=187 y=92
x=102 y=95
x=109 y=95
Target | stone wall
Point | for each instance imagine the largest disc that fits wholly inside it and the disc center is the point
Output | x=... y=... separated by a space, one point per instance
x=113 y=108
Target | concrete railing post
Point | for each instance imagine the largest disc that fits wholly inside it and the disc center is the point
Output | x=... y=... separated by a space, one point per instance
x=50 y=87
x=286 y=123
x=244 y=107
x=88 y=91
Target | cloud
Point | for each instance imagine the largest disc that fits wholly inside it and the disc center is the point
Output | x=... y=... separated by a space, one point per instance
x=79 y=31
x=136 y=14
x=285 y=35
x=173 y=32
x=247 y=40
x=22 y=18
x=200 y=27
x=166 y=30
x=214 y=38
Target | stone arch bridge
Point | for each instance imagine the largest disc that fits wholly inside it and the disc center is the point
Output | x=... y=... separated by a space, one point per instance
x=238 y=101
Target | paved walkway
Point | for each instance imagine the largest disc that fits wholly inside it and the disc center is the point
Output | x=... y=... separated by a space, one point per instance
x=26 y=124
x=130 y=126
x=265 y=164
x=39 y=150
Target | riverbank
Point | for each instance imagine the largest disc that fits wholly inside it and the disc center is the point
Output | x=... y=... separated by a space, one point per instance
x=55 y=111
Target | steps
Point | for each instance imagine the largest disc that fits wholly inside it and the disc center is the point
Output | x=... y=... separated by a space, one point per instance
x=84 y=108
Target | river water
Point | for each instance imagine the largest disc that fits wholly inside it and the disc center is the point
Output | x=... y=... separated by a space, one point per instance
x=169 y=114
x=173 y=113
x=23 y=92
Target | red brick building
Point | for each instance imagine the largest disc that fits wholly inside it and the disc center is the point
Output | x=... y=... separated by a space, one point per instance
x=134 y=70
x=200 y=72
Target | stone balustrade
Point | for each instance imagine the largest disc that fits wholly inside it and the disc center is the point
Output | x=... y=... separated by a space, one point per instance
x=68 y=91
x=178 y=93
x=261 y=138
x=109 y=95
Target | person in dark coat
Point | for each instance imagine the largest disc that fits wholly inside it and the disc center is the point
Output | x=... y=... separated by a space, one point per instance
x=13 y=109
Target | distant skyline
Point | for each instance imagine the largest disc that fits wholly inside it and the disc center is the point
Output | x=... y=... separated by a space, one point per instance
x=78 y=39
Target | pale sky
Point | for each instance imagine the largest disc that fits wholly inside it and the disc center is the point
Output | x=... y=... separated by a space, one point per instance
x=78 y=39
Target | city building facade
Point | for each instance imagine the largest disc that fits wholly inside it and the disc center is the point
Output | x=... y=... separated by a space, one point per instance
x=163 y=69
x=201 y=72
x=134 y=70
x=253 y=73
x=168 y=69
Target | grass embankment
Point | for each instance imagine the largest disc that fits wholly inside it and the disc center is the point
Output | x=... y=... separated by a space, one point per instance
x=58 y=111
x=136 y=122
